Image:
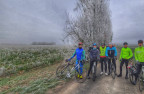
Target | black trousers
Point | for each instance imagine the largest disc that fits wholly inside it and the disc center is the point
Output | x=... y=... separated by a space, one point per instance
x=103 y=61
x=91 y=65
x=126 y=65
x=138 y=69
x=109 y=64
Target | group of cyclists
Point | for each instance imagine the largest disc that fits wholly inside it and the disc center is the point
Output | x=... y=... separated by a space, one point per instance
x=107 y=55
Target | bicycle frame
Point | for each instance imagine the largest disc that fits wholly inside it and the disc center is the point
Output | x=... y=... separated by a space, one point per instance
x=73 y=68
x=111 y=60
x=112 y=68
x=69 y=72
x=94 y=65
x=94 y=71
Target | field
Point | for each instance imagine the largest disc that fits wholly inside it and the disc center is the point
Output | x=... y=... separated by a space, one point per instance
x=30 y=69
x=19 y=60
x=27 y=69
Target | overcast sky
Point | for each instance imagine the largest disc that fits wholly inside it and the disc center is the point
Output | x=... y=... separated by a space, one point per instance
x=25 y=21
x=127 y=20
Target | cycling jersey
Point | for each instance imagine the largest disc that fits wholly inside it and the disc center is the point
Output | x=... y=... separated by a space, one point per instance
x=111 y=52
x=139 y=54
x=126 y=53
x=94 y=54
x=80 y=53
x=102 y=51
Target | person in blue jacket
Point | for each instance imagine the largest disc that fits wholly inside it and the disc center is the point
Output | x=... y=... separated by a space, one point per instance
x=94 y=57
x=80 y=57
x=111 y=52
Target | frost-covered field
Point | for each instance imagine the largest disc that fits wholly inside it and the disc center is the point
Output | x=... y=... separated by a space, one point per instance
x=19 y=58
x=34 y=66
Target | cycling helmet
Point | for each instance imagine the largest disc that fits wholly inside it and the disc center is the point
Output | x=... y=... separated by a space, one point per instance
x=94 y=44
x=80 y=43
x=140 y=41
x=125 y=43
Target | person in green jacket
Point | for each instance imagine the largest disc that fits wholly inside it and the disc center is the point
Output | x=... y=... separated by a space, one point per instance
x=103 y=58
x=126 y=54
x=139 y=57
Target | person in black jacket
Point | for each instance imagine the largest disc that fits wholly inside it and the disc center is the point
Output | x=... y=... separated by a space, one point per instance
x=94 y=57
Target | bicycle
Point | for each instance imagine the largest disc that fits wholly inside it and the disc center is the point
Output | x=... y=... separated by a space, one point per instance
x=112 y=68
x=94 y=69
x=131 y=69
x=141 y=80
x=69 y=70
x=87 y=58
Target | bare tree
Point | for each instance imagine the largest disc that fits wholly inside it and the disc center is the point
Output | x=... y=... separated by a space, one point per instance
x=92 y=23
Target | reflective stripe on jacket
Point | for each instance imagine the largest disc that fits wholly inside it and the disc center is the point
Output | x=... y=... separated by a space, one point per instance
x=139 y=54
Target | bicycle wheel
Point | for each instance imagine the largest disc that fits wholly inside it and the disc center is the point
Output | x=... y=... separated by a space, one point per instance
x=131 y=76
x=94 y=73
x=112 y=71
x=61 y=71
x=84 y=75
x=141 y=83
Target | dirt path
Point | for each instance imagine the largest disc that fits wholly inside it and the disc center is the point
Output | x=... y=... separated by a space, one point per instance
x=103 y=85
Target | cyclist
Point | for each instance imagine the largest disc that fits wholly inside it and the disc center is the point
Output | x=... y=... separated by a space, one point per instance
x=94 y=57
x=111 y=52
x=126 y=54
x=139 y=57
x=103 y=58
x=80 y=53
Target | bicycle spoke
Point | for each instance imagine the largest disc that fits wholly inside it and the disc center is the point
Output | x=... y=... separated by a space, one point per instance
x=61 y=71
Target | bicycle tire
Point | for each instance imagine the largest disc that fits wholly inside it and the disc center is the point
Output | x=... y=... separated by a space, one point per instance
x=141 y=83
x=61 y=71
x=113 y=71
x=131 y=77
x=94 y=73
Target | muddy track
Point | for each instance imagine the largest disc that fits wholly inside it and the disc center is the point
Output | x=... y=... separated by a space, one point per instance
x=102 y=85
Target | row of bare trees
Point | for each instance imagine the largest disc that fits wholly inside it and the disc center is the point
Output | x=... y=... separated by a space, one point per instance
x=92 y=23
